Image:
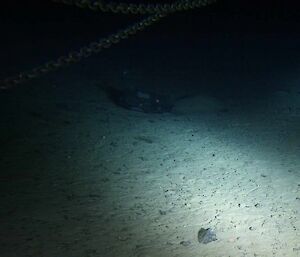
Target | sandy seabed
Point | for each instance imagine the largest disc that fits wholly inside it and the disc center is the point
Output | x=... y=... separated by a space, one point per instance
x=83 y=177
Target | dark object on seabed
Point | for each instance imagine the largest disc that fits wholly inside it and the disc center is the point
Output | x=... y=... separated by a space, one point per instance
x=206 y=235
x=138 y=100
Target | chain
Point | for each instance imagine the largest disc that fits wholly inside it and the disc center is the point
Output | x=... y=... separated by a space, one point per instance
x=84 y=52
x=97 y=46
x=136 y=8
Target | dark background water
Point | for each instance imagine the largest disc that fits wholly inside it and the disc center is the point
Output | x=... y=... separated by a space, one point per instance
x=230 y=47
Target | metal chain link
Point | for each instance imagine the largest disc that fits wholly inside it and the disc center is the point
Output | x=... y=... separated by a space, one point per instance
x=95 y=47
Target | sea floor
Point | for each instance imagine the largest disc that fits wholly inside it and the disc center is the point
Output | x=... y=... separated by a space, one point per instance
x=83 y=177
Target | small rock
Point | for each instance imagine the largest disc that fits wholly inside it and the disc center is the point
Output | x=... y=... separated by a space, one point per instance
x=206 y=235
